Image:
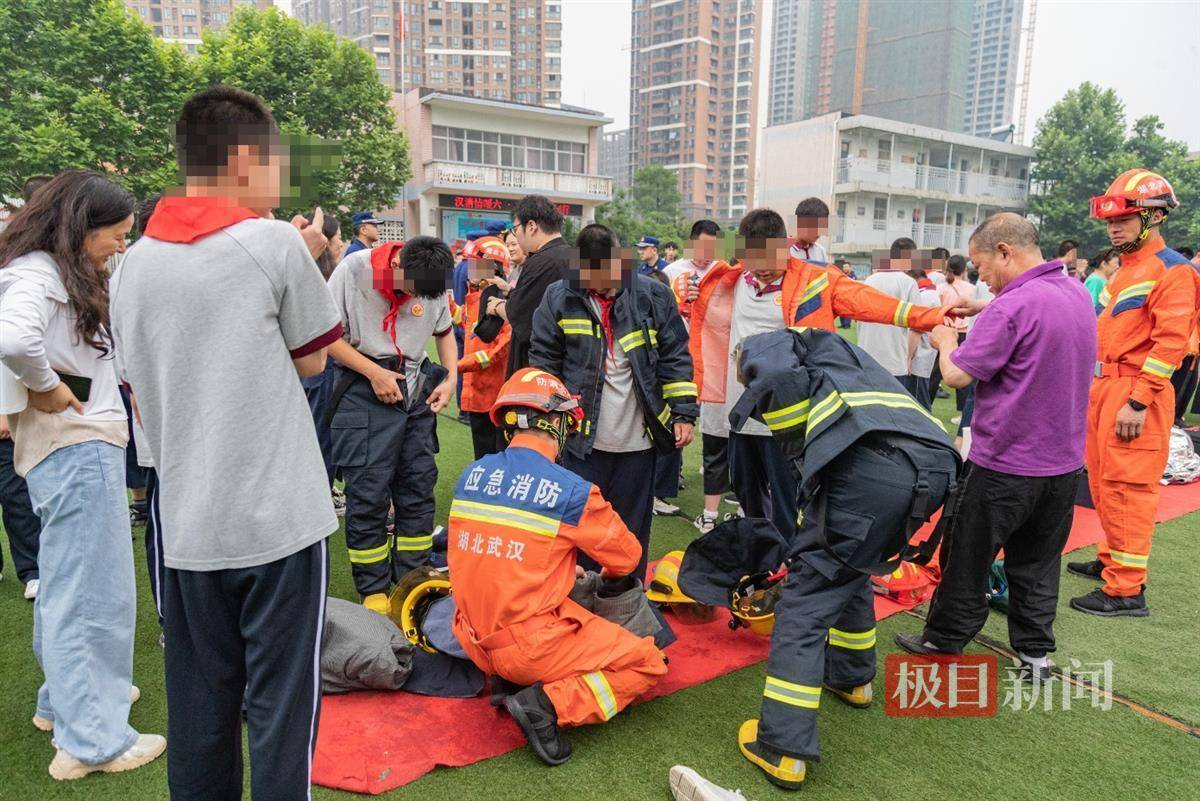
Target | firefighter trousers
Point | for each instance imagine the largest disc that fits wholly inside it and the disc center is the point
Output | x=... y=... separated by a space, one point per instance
x=589 y=667
x=387 y=456
x=1123 y=479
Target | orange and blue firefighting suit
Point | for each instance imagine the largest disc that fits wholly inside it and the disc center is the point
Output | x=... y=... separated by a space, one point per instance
x=1150 y=307
x=814 y=295
x=516 y=520
x=482 y=365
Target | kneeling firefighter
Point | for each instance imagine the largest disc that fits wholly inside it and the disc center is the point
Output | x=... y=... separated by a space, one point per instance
x=515 y=524
x=874 y=466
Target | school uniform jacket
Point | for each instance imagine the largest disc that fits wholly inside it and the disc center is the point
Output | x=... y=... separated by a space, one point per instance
x=570 y=341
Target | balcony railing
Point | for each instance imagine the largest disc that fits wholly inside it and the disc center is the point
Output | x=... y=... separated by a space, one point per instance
x=923 y=178
x=879 y=234
x=448 y=173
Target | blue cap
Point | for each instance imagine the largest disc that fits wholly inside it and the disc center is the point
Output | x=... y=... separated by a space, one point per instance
x=647 y=242
x=364 y=217
x=475 y=233
x=494 y=227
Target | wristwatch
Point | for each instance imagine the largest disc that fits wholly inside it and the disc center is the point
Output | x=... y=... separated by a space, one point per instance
x=1137 y=407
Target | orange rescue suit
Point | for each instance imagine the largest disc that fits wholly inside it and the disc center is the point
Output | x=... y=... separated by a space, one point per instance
x=516 y=520
x=1150 y=307
x=814 y=295
x=483 y=363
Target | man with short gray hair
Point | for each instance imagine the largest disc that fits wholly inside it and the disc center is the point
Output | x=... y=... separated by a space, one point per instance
x=1031 y=351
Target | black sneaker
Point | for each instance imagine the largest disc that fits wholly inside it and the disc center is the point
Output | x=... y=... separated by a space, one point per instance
x=1091 y=570
x=1098 y=602
x=534 y=713
x=917 y=644
x=139 y=513
x=501 y=688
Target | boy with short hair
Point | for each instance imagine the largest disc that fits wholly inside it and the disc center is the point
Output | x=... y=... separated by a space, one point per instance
x=215 y=315
x=812 y=223
x=895 y=348
x=387 y=394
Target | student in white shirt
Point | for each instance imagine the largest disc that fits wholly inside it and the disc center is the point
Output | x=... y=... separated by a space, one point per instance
x=70 y=433
x=812 y=223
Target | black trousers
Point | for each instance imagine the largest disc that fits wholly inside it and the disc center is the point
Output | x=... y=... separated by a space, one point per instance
x=626 y=481
x=765 y=482
x=135 y=474
x=20 y=522
x=153 y=534
x=666 y=474
x=1184 y=380
x=485 y=437
x=825 y=620
x=918 y=387
x=1030 y=518
x=716 y=464
x=960 y=395
x=252 y=634
x=387 y=456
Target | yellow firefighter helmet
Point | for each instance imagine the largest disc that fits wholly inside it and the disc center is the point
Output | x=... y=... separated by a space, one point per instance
x=411 y=599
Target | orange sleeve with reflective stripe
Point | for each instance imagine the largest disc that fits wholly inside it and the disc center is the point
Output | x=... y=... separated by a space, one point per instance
x=602 y=535
x=1172 y=307
x=496 y=352
x=866 y=304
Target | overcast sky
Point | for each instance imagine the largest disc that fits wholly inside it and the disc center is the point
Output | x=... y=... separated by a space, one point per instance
x=1154 y=71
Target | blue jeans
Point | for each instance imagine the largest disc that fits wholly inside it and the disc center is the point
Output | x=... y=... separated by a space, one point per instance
x=83 y=619
x=318 y=389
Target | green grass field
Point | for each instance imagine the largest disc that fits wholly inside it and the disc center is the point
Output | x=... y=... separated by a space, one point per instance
x=1082 y=753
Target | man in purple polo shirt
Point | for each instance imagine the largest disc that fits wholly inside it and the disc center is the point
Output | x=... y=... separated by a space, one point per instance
x=1031 y=352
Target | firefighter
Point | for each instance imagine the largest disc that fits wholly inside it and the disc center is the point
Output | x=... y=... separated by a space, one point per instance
x=874 y=465
x=486 y=338
x=515 y=524
x=1149 y=309
x=617 y=340
x=769 y=290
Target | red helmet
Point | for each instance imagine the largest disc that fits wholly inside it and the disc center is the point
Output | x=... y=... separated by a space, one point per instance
x=536 y=390
x=1134 y=191
x=487 y=247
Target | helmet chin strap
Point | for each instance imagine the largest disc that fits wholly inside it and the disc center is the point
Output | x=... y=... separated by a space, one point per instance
x=1144 y=234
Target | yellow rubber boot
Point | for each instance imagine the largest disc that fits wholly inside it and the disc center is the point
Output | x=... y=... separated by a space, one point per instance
x=378 y=603
x=859 y=697
x=783 y=771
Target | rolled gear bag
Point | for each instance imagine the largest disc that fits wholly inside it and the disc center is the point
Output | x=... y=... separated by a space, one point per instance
x=362 y=650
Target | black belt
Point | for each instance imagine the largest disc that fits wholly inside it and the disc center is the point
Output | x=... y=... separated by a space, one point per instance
x=346 y=378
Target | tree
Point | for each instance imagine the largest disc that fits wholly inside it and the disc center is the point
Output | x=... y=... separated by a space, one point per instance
x=649 y=207
x=318 y=87
x=1082 y=146
x=86 y=86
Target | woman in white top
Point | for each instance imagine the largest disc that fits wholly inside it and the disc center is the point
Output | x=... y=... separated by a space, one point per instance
x=69 y=429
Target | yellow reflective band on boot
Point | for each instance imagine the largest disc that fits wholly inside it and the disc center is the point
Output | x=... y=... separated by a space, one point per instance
x=854 y=640
x=678 y=389
x=785 y=771
x=505 y=516
x=369 y=556
x=413 y=543
x=1125 y=559
x=1158 y=367
x=603 y=692
x=792 y=694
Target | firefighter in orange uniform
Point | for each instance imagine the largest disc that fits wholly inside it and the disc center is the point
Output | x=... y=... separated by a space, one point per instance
x=485 y=348
x=515 y=523
x=1149 y=309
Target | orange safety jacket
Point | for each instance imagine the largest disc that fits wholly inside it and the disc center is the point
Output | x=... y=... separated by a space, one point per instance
x=483 y=363
x=1150 y=308
x=679 y=285
x=814 y=295
x=515 y=523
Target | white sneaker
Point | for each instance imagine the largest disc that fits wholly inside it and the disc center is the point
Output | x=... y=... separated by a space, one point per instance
x=31 y=588
x=148 y=748
x=704 y=523
x=47 y=725
x=956 y=419
x=661 y=507
x=688 y=785
x=339 y=503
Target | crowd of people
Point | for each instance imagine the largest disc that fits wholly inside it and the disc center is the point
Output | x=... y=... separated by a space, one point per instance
x=235 y=369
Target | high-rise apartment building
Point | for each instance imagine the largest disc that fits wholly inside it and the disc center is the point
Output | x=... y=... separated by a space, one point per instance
x=501 y=50
x=694 y=99
x=898 y=59
x=614 y=158
x=992 y=66
x=183 y=21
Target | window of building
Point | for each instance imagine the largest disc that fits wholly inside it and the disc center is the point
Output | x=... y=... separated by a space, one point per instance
x=508 y=150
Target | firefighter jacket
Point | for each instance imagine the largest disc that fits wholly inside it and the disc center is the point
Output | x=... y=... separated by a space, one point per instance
x=483 y=363
x=819 y=395
x=814 y=295
x=1150 y=308
x=515 y=523
x=571 y=341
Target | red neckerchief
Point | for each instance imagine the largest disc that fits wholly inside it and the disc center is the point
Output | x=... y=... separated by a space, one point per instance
x=925 y=283
x=758 y=288
x=606 y=305
x=383 y=281
x=186 y=219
